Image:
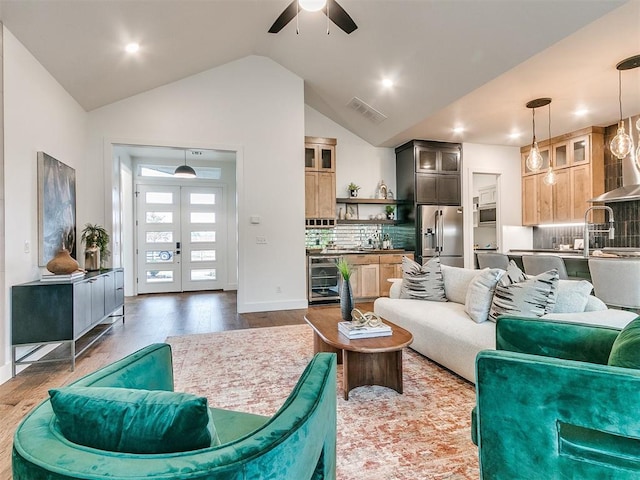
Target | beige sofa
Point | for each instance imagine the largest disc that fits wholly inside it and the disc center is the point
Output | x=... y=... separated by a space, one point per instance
x=445 y=333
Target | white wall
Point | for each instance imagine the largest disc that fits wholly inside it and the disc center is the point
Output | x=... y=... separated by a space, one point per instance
x=252 y=106
x=357 y=161
x=498 y=160
x=39 y=115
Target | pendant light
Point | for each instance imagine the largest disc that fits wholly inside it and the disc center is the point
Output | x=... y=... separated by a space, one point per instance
x=312 y=5
x=534 y=160
x=550 y=177
x=621 y=144
x=185 y=171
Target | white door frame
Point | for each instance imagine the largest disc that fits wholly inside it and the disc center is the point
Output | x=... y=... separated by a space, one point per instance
x=113 y=206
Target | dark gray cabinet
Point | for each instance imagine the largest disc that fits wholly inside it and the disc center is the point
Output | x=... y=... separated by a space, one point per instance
x=74 y=313
x=429 y=172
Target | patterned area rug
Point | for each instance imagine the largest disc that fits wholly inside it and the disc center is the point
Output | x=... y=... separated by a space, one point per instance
x=421 y=434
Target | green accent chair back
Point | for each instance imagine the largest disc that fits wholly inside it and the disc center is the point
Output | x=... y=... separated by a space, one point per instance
x=298 y=442
x=551 y=404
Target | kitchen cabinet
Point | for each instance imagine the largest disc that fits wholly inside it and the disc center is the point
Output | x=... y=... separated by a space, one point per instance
x=390 y=267
x=70 y=312
x=320 y=181
x=429 y=172
x=487 y=195
x=578 y=161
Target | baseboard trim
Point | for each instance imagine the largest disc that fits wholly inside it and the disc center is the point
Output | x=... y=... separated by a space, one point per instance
x=5 y=373
x=272 y=306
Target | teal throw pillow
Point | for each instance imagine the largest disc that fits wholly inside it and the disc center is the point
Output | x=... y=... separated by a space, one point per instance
x=133 y=421
x=626 y=348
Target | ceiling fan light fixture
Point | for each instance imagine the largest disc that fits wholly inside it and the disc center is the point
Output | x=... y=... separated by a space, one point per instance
x=312 y=5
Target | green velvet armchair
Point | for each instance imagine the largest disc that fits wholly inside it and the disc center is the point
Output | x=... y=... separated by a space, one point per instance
x=552 y=405
x=297 y=442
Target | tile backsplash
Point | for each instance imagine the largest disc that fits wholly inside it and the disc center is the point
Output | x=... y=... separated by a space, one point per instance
x=626 y=214
x=360 y=235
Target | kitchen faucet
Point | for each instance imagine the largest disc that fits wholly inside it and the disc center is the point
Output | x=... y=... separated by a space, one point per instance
x=610 y=230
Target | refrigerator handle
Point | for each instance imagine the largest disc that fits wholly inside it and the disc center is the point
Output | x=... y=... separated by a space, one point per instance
x=440 y=231
x=436 y=224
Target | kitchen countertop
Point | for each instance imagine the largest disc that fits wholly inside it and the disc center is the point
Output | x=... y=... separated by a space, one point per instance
x=354 y=251
x=615 y=252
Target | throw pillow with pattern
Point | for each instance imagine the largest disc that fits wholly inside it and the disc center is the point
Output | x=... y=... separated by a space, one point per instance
x=422 y=282
x=533 y=297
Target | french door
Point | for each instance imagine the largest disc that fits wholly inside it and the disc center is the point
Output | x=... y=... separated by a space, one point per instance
x=180 y=238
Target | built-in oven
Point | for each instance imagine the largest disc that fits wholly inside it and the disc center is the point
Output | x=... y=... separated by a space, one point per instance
x=324 y=279
x=487 y=215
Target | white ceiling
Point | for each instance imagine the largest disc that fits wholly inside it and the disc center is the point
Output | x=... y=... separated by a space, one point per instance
x=473 y=63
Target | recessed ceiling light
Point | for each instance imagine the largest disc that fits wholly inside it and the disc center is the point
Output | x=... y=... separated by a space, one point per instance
x=581 y=112
x=387 y=82
x=458 y=130
x=132 y=47
x=514 y=135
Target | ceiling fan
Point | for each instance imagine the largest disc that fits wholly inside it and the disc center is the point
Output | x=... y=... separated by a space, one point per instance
x=331 y=9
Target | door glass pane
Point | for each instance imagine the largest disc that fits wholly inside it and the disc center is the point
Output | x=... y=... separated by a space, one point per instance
x=165 y=198
x=203 y=274
x=203 y=237
x=309 y=157
x=449 y=162
x=159 y=237
x=159 y=276
x=159 y=256
x=426 y=159
x=203 y=217
x=202 y=198
x=325 y=158
x=561 y=156
x=580 y=151
x=159 y=217
x=203 y=255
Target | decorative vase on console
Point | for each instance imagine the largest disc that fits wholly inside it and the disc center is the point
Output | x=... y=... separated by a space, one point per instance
x=92 y=258
x=346 y=294
x=62 y=263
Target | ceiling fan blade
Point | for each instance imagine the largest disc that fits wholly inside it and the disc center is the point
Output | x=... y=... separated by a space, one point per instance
x=339 y=16
x=285 y=17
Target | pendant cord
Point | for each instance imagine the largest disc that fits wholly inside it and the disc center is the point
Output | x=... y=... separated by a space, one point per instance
x=328 y=23
x=620 y=92
x=534 y=125
x=550 y=160
x=297 y=15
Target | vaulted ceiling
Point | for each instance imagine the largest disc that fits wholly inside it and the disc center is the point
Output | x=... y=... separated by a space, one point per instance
x=467 y=63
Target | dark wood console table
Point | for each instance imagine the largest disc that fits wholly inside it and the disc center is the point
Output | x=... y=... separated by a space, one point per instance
x=71 y=313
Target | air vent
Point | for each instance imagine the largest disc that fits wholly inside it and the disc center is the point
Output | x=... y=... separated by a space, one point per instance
x=366 y=111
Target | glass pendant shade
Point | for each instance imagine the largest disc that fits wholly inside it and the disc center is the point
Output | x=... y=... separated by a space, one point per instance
x=312 y=5
x=621 y=144
x=534 y=159
x=550 y=177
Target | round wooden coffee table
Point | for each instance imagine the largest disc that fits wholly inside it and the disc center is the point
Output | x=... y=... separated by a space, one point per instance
x=366 y=361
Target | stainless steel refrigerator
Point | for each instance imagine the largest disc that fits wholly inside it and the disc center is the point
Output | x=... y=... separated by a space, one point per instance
x=441 y=234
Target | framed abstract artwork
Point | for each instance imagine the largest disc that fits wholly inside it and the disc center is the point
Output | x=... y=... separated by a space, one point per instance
x=56 y=208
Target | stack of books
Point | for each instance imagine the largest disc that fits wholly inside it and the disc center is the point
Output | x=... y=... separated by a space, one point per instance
x=70 y=277
x=351 y=331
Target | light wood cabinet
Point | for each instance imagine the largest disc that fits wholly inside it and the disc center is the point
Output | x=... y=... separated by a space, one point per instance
x=578 y=161
x=320 y=181
x=370 y=273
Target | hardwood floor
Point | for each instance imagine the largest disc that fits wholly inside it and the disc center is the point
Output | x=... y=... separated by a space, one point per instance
x=149 y=319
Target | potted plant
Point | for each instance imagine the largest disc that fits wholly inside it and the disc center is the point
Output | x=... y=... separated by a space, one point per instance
x=389 y=209
x=96 y=244
x=346 y=295
x=353 y=189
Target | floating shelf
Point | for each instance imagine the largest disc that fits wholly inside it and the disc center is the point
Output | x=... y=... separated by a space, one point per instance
x=370 y=201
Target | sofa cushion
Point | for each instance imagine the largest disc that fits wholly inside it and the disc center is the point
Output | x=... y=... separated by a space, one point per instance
x=626 y=347
x=133 y=421
x=480 y=294
x=528 y=298
x=422 y=282
x=456 y=282
x=572 y=296
x=512 y=275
